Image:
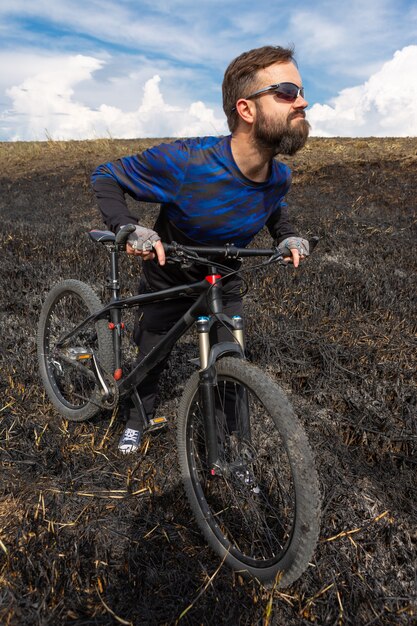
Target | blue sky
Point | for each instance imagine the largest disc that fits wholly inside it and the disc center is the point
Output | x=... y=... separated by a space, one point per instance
x=129 y=68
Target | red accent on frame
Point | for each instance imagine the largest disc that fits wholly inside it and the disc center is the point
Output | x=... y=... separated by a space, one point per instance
x=213 y=278
x=118 y=374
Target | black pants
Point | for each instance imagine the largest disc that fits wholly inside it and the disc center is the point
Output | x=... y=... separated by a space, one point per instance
x=154 y=321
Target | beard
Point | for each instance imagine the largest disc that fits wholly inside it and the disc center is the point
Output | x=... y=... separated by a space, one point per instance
x=281 y=137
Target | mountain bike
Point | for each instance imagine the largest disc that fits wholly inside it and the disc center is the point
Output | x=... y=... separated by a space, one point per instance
x=245 y=460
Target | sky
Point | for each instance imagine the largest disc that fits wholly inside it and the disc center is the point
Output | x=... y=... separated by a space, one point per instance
x=85 y=69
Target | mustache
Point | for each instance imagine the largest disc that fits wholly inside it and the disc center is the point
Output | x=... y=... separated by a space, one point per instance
x=295 y=114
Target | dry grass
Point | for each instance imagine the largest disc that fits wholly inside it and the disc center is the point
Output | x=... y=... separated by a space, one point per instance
x=87 y=537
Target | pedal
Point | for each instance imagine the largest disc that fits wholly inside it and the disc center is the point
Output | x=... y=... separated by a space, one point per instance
x=78 y=354
x=156 y=423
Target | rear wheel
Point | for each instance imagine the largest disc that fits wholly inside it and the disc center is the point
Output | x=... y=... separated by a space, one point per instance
x=259 y=507
x=69 y=372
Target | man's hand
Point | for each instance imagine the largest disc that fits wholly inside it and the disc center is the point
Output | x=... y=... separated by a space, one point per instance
x=295 y=249
x=145 y=243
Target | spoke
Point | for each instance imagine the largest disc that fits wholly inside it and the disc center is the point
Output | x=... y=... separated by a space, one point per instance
x=72 y=377
x=251 y=496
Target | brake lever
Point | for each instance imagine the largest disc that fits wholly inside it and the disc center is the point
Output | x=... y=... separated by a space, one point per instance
x=183 y=263
x=277 y=257
x=183 y=258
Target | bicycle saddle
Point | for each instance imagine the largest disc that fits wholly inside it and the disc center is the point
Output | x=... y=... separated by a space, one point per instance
x=102 y=236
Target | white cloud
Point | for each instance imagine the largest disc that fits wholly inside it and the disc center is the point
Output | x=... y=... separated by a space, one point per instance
x=44 y=105
x=385 y=105
x=188 y=44
x=76 y=96
x=174 y=31
x=43 y=102
x=346 y=37
x=319 y=34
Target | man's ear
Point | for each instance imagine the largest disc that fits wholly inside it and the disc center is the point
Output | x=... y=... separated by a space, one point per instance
x=246 y=110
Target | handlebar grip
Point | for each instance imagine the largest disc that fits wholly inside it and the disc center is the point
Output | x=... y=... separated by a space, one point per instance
x=123 y=234
x=168 y=247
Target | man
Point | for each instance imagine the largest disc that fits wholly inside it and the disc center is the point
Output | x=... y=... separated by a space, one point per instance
x=212 y=190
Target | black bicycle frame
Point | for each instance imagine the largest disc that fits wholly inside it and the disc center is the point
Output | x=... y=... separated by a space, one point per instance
x=208 y=302
x=199 y=307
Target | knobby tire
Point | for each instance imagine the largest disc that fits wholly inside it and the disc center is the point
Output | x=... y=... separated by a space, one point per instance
x=74 y=394
x=261 y=511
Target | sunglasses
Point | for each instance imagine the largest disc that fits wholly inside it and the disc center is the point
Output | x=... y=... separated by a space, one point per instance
x=286 y=91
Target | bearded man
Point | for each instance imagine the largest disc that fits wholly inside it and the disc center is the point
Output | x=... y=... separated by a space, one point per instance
x=211 y=191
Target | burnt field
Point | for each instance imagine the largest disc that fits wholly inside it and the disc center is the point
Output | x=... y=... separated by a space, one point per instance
x=90 y=537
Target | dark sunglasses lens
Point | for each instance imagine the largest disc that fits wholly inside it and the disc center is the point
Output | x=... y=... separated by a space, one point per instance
x=289 y=92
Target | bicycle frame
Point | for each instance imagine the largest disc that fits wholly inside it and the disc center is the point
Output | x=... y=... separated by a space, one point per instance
x=207 y=307
x=199 y=308
x=206 y=310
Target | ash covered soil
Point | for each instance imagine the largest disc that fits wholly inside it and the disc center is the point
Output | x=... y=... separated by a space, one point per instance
x=89 y=537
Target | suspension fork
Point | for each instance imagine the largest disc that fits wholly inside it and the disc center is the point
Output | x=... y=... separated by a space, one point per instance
x=244 y=421
x=206 y=390
x=235 y=400
x=208 y=378
x=208 y=374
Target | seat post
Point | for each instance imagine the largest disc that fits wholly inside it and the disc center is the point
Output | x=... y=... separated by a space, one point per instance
x=116 y=324
x=114 y=273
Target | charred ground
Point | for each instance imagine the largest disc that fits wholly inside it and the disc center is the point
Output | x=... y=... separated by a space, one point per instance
x=88 y=537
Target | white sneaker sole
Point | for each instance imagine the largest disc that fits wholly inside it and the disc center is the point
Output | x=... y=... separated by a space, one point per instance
x=128 y=449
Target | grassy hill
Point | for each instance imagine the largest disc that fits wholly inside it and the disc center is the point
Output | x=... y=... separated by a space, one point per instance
x=77 y=546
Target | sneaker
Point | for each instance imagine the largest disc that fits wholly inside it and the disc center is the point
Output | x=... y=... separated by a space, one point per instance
x=129 y=441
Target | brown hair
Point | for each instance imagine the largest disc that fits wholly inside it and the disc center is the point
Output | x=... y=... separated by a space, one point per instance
x=240 y=77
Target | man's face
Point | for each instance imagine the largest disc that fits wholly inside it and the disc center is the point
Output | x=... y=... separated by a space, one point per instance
x=279 y=126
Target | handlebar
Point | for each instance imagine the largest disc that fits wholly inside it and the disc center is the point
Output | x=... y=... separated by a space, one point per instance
x=228 y=251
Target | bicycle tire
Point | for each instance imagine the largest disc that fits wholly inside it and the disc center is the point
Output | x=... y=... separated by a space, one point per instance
x=74 y=394
x=246 y=518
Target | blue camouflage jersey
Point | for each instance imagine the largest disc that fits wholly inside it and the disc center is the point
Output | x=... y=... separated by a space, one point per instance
x=204 y=197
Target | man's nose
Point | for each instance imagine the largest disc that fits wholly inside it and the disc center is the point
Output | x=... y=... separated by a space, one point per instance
x=300 y=103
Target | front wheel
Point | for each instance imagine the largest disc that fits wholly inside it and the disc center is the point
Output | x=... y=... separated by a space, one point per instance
x=69 y=372
x=259 y=507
